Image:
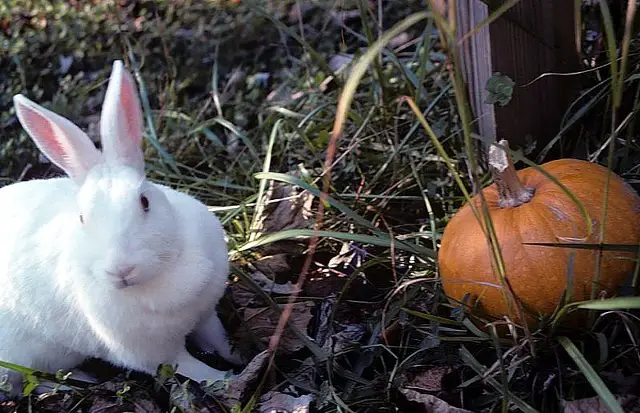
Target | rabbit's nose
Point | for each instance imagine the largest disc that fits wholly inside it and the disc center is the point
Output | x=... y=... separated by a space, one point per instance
x=122 y=272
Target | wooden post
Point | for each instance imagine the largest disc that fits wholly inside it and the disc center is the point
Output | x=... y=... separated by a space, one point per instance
x=475 y=54
x=532 y=38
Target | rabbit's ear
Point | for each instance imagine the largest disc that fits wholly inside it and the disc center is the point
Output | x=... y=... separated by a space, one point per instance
x=121 y=120
x=65 y=144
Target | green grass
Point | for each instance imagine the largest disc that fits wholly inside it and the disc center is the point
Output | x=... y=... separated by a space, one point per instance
x=380 y=147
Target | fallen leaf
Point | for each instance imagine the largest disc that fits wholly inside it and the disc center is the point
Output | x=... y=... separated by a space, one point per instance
x=276 y=402
x=629 y=403
x=429 y=379
x=339 y=62
x=350 y=257
x=238 y=388
x=260 y=323
x=134 y=400
x=111 y=405
x=348 y=338
x=146 y=406
x=269 y=286
x=244 y=296
x=623 y=382
x=324 y=318
x=430 y=403
x=182 y=397
x=102 y=398
x=272 y=264
x=305 y=372
x=185 y=398
x=285 y=207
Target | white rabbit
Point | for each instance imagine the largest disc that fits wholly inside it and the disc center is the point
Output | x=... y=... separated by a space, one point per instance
x=104 y=263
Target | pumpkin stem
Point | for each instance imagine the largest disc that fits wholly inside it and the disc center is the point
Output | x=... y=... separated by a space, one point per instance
x=511 y=192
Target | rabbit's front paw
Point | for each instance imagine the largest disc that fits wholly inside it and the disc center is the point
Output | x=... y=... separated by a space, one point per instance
x=210 y=336
x=10 y=385
x=196 y=370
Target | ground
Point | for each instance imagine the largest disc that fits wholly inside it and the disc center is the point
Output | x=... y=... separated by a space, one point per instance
x=242 y=98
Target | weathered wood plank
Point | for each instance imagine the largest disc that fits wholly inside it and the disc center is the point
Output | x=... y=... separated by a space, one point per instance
x=533 y=38
x=475 y=54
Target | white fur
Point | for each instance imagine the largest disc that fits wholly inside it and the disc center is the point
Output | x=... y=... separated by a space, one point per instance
x=63 y=297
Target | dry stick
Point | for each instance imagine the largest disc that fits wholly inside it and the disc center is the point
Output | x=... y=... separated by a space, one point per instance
x=288 y=309
x=336 y=132
x=331 y=151
x=326 y=182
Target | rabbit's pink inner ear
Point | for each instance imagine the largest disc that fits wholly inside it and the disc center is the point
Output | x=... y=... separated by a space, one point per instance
x=131 y=105
x=48 y=136
x=58 y=138
x=121 y=120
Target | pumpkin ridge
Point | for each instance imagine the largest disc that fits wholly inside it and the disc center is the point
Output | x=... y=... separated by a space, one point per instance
x=545 y=283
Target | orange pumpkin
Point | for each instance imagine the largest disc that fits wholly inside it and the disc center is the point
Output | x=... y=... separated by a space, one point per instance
x=527 y=207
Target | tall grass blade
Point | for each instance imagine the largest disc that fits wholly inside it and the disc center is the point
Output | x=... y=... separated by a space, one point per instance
x=609 y=304
x=382 y=241
x=603 y=247
x=591 y=375
x=317 y=57
x=361 y=66
x=475 y=365
x=292 y=180
x=263 y=182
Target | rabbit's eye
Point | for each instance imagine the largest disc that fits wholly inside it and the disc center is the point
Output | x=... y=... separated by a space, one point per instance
x=81 y=219
x=144 y=201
